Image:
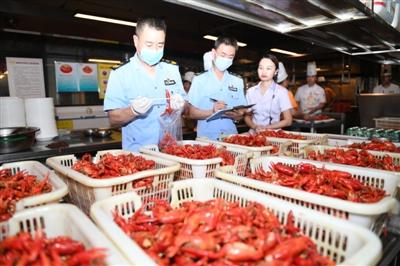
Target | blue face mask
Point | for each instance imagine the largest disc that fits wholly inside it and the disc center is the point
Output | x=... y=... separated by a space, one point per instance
x=151 y=56
x=223 y=63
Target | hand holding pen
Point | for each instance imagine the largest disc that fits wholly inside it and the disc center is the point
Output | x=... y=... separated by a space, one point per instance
x=218 y=105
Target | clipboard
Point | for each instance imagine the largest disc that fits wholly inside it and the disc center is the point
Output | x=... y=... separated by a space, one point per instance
x=220 y=114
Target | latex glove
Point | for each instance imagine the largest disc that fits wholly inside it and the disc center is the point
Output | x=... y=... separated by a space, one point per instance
x=177 y=101
x=141 y=105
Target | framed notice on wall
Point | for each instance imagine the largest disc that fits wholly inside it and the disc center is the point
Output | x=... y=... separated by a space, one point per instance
x=75 y=77
x=25 y=77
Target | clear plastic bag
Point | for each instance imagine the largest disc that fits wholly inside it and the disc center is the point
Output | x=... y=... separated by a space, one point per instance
x=170 y=129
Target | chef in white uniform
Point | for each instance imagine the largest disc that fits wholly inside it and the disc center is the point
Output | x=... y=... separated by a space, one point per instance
x=387 y=86
x=311 y=96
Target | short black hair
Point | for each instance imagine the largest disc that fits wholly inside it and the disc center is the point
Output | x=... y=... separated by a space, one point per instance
x=272 y=57
x=274 y=60
x=155 y=23
x=227 y=40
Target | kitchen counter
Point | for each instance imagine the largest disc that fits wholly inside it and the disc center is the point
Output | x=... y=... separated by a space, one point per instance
x=77 y=142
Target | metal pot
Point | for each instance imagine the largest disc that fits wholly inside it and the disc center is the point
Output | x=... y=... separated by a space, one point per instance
x=13 y=139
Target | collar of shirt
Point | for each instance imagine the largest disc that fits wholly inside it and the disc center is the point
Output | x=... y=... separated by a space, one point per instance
x=271 y=87
x=212 y=74
x=137 y=65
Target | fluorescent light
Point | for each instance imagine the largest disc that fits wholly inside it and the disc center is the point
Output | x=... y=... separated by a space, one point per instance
x=276 y=50
x=377 y=52
x=104 y=19
x=97 y=60
x=214 y=38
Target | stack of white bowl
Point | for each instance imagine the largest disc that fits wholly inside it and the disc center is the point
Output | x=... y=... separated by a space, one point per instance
x=40 y=113
x=12 y=112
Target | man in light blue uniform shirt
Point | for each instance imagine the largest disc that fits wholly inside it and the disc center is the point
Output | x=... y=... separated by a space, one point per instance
x=136 y=91
x=217 y=84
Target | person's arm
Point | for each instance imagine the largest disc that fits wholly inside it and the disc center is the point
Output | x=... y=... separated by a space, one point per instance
x=200 y=114
x=120 y=117
x=285 y=122
x=248 y=119
x=316 y=108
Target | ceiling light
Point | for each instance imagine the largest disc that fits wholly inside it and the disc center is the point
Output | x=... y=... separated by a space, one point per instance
x=96 y=60
x=6 y=72
x=1 y=76
x=377 y=52
x=214 y=38
x=276 y=50
x=104 y=19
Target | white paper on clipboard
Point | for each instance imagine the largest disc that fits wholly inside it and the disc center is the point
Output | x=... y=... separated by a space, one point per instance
x=220 y=113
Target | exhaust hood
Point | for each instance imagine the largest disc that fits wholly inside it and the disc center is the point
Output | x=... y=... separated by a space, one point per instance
x=349 y=26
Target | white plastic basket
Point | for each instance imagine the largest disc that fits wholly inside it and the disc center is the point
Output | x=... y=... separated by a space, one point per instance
x=376 y=154
x=84 y=190
x=297 y=146
x=62 y=220
x=387 y=122
x=345 y=243
x=363 y=214
x=58 y=191
x=191 y=168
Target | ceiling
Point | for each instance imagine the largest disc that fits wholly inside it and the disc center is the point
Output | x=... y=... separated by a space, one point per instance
x=186 y=26
x=317 y=28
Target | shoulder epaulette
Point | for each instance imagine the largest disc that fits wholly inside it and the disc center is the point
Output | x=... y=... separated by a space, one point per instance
x=169 y=61
x=116 y=67
x=234 y=74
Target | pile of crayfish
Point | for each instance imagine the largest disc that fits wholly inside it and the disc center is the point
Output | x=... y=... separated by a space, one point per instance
x=247 y=140
x=280 y=134
x=200 y=152
x=218 y=232
x=110 y=166
x=376 y=145
x=14 y=187
x=25 y=249
x=332 y=183
x=318 y=117
x=354 y=157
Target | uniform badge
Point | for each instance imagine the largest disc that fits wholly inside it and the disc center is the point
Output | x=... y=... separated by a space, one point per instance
x=232 y=88
x=168 y=82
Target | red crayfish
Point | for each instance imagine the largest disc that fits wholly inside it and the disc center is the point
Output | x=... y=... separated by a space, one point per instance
x=218 y=232
x=376 y=145
x=110 y=166
x=200 y=152
x=322 y=181
x=280 y=134
x=14 y=187
x=25 y=249
x=361 y=158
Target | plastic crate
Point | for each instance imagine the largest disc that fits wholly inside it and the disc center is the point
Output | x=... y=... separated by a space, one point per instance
x=376 y=154
x=369 y=215
x=58 y=191
x=62 y=220
x=387 y=122
x=345 y=243
x=84 y=190
x=297 y=146
x=191 y=168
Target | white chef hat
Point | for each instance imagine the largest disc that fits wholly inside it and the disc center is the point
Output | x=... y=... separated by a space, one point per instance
x=311 y=68
x=207 y=60
x=282 y=75
x=188 y=76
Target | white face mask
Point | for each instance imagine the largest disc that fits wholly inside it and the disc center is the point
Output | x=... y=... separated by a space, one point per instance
x=222 y=63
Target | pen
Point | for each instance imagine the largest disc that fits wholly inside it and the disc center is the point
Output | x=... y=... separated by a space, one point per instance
x=213 y=100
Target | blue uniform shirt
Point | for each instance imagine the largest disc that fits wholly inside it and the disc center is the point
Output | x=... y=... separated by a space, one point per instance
x=132 y=80
x=229 y=90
